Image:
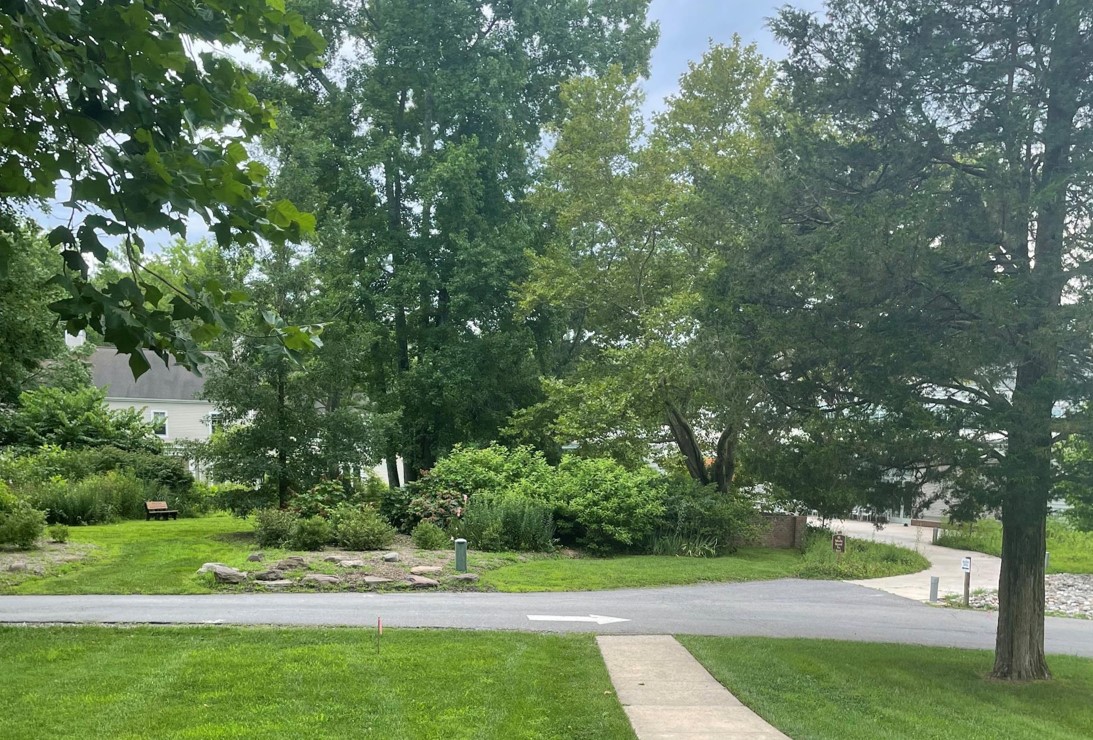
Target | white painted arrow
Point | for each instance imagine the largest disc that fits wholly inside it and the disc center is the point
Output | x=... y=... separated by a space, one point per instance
x=590 y=618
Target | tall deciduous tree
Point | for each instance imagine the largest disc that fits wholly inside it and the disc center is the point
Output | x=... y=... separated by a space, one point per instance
x=439 y=108
x=642 y=223
x=944 y=239
x=121 y=109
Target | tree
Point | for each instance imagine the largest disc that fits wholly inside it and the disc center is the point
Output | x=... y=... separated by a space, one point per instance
x=641 y=224
x=27 y=335
x=942 y=243
x=285 y=424
x=120 y=109
x=72 y=419
x=438 y=109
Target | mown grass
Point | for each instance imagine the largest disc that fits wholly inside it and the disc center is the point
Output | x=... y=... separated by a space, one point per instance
x=204 y=682
x=138 y=557
x=862 y=559
x=1071 y=550
x=827 y=689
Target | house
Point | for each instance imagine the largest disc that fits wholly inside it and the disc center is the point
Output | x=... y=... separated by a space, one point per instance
x=169 y=397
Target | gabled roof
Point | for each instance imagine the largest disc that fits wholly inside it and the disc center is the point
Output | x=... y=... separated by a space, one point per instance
x=110 y=370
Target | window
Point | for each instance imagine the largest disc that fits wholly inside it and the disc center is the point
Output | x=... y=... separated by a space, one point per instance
x=159 y=423
x=215 y=421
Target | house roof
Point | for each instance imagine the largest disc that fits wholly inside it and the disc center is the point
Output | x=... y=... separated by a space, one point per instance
x=110 y=370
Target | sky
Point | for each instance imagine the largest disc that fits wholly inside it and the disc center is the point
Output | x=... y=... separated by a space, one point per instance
x=688 y=26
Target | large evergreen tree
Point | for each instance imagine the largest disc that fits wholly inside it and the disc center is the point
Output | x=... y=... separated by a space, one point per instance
x=942 y=246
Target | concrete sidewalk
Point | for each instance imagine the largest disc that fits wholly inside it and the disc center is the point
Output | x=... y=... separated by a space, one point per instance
x=668 y=694
x=944 y=561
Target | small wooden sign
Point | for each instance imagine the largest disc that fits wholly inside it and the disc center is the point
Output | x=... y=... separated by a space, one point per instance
x=966 y=565
x=838 y=543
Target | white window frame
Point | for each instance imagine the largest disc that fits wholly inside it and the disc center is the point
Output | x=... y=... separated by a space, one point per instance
x=152 y=420
x=212 y=419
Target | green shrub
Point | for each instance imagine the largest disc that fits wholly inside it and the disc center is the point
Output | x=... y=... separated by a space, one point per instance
x=322 y=498
x=274 y=527
x=428 y=536
x=58 y=533
x=76 y=418
x=313 y=533
x=435 y=505
x=242 y=500
x=492 y=470
x=370 y=490
x=604 y=507
x=361 y=528
x=700 y=521
x=21 y=525
x=395 y=508
x=496 y=523
x=96 y=499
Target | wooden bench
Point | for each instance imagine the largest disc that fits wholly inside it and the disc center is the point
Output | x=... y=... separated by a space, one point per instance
x=158 y=510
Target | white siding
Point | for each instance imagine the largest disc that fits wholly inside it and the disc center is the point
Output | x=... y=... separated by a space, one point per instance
x=185 y=419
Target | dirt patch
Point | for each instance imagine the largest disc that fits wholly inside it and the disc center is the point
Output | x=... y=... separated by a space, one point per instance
x=17 y=566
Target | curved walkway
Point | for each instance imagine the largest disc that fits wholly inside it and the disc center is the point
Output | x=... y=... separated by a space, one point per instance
x=944 y=561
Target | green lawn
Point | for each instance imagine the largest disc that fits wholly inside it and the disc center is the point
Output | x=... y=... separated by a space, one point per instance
x=138 y=557
x=827 y=689
x=204 y=682
x=1071 y=550
x=635 y=571
x=862 y=559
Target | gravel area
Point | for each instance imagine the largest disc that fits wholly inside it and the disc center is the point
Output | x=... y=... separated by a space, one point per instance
x=1067 y=595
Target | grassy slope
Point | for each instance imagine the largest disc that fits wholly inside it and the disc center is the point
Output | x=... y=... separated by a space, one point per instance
x=1071 y=550
x=277 y=683
x=138 y=557
x=827 y=689
x=591 y=574
x=862 y=560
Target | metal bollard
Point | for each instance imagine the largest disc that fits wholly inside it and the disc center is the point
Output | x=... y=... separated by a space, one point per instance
x=935 y=535
x=934 y=581
x=1047 y=561
x=461 y=555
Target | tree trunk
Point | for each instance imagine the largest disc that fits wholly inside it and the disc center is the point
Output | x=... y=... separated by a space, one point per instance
x=1019 y=646
x=282 y=439
x=393 y=480
x=688 y=445
x=724 y=465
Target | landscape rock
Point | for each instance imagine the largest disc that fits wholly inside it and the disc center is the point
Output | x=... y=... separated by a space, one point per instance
x=1065 y=594
x=391 y=557
x=466 y=577
x=17 y=567
x=374 y=580
x=332 y=559
x=419 y=570
x=209 y=567
x=320 y=579
x=351 y=563
x=276 y=584
x=291 y=562
x=224 y=574
x=269 y=575
x=256 y=557
x=421 y=581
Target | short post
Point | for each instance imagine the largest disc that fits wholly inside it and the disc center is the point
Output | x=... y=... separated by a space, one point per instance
x=461 y=555
x=935 y=535
x=966 y=566
x=1047 y=561
x=934 y=581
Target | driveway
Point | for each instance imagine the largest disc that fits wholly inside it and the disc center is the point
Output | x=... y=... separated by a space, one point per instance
x=783 y=608
x=944 y=561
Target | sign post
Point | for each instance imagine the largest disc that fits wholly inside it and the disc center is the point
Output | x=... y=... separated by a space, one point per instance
x=838 y=543
x=966 y=566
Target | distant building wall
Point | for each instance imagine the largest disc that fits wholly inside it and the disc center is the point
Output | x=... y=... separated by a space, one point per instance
x=185 y=419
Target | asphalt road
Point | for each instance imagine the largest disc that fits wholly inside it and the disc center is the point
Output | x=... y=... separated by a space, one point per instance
x=784 y=608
